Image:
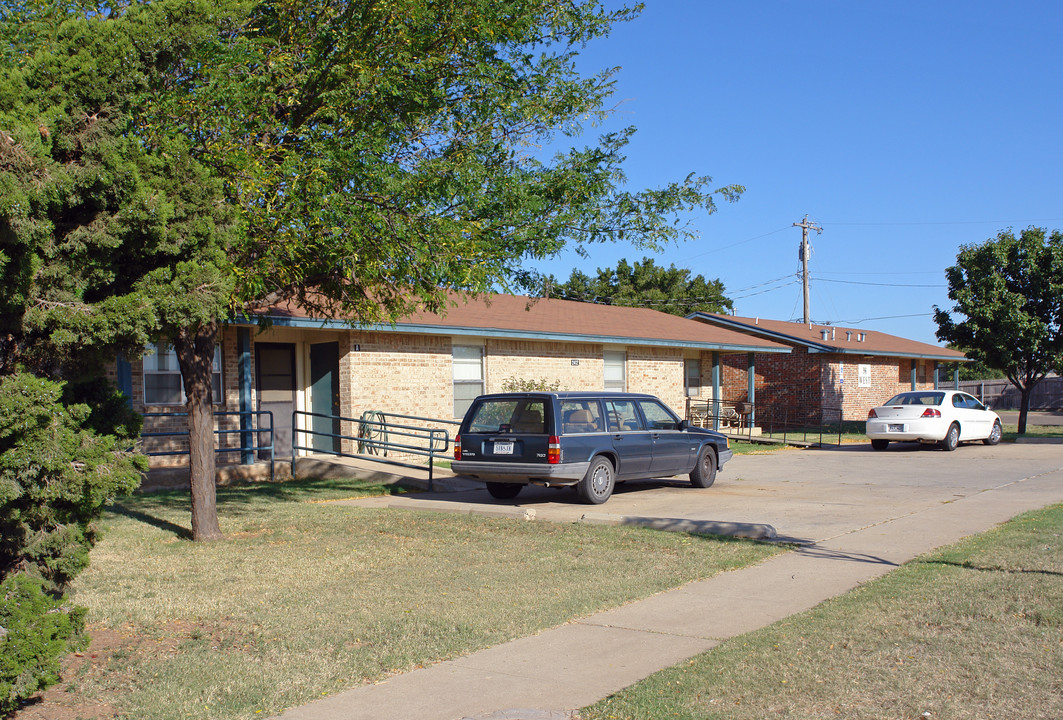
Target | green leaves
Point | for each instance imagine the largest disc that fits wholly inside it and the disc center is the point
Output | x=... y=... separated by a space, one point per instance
x=1009 y=291
x=670 y=290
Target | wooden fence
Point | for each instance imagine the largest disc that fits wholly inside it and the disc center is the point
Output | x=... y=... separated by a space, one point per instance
x=1002 y=395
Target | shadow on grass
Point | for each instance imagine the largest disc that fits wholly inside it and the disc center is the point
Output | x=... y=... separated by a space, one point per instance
x=1008 y=571
x=240 y=500
x=162 y=524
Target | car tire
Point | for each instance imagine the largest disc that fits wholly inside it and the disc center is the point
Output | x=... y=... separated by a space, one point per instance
x=504 y=491
x=880 y=444
x=952 y=438
x=994 y=435
x=704 y=473
x=597 y=485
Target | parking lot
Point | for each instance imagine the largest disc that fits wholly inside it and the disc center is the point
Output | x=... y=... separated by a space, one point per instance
x=808 y=496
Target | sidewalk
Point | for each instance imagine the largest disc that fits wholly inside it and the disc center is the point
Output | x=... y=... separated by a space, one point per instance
x=549 y=675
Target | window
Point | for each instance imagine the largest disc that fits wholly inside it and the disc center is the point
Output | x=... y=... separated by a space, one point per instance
x=162 y=377
x=692 y=372
x=581 y=416
x=615 y=371
x=621 y=415
x=657 y=417
x=863 y=375
x=468 y=365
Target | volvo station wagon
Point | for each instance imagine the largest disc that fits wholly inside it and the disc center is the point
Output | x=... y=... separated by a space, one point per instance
x=590 y=440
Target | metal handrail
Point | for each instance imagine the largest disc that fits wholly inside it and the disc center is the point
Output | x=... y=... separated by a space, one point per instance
x=789 y=421
x=218 y=432
x=438 y=440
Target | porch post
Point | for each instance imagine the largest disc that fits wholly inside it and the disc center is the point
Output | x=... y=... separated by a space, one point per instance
x=716 y=390
x=936 y=366
x=243 y=352
x=956 y=376
x=751 y=388
x=915 y=375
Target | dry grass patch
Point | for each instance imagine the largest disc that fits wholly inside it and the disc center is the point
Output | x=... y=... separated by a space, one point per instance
x=304 y=598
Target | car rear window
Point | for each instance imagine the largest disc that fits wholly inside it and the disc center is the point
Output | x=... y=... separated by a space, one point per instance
x=502 y=416
x=916 y=398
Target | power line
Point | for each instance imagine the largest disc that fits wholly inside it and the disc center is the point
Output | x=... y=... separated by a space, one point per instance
x=857 y=282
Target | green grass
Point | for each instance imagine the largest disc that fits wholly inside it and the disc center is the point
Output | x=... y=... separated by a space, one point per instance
x=973 y=632
x=306 y=598
x=1011 y=431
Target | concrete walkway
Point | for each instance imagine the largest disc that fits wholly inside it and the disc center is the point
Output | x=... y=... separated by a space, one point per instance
x=857 y=514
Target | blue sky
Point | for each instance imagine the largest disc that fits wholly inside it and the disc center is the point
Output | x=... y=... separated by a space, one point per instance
x=904 y=129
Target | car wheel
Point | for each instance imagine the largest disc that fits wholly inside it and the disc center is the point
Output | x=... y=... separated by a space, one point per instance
x=952 y=438
x=504 y=491
x=880 y=444
x=994 y=435
x=704 y=473
x=597 y=485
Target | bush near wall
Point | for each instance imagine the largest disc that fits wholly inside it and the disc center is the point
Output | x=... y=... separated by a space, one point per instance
x=58 y=467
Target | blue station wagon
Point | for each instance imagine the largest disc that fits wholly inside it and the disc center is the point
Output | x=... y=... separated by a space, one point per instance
x=591 y=440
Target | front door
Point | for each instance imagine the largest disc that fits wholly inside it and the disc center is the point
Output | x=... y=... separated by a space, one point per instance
x=275 y=366
x=325 y=396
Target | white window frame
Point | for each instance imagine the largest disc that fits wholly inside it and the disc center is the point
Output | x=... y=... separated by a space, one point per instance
x=692 y=372
x=467 y=369
x=612 y=360
x=168 y=360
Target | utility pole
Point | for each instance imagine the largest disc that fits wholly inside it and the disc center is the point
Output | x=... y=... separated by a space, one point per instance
x=804 y=252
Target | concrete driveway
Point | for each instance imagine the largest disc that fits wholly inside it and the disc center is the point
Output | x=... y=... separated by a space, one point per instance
x=808 y=496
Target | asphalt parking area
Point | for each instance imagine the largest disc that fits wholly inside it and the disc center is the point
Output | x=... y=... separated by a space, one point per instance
x=807 y=496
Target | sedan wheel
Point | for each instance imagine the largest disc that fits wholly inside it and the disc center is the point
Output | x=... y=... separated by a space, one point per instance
x=704 y=473
x=952 y=438
x=994 y=435
x=597 y=485
x=880 y=444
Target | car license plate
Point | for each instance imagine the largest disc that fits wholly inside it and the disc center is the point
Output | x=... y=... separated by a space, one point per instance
x=503 y=448
x=896 y=428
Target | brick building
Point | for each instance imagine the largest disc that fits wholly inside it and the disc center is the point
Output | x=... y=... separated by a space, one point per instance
x=836 y=368
x=432 y=365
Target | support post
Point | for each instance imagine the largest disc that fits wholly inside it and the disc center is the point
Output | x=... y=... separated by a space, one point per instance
x=716 y=390
x=243 y=351
x=751 y=388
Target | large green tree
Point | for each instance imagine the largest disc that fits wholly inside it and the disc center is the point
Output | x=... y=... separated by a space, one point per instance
x=1009 y=294
x=182 y=163
x=645 y=284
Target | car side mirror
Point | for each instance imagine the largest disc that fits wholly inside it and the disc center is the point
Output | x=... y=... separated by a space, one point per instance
x=684 y=425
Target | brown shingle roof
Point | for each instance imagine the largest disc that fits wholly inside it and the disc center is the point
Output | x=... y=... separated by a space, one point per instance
x=521 y=317
x=838 y=339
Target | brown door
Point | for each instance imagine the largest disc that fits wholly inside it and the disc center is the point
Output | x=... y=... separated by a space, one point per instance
x=275 y=369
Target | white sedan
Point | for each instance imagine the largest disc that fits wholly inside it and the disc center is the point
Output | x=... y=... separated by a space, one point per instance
x=945 y=417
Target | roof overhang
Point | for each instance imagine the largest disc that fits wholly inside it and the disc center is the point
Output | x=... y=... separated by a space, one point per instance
x=465 y=331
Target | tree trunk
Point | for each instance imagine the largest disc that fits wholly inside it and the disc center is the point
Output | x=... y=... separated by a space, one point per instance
x=195 y=356
x=1024 y=406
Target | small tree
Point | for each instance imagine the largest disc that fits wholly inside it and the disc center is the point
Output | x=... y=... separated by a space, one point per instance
x=672 y=290
x=170 y=166
x=1010 y=291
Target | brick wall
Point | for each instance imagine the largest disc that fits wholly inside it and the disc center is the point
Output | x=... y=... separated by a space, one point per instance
x=815 y=380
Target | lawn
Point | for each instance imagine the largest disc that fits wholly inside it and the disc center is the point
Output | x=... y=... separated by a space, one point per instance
x=306 y=597
x=972 y=632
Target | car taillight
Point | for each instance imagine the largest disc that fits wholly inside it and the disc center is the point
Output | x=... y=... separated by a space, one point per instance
x=553 y=450
x=931 y=413
x=457 y=447
x=871 y=414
